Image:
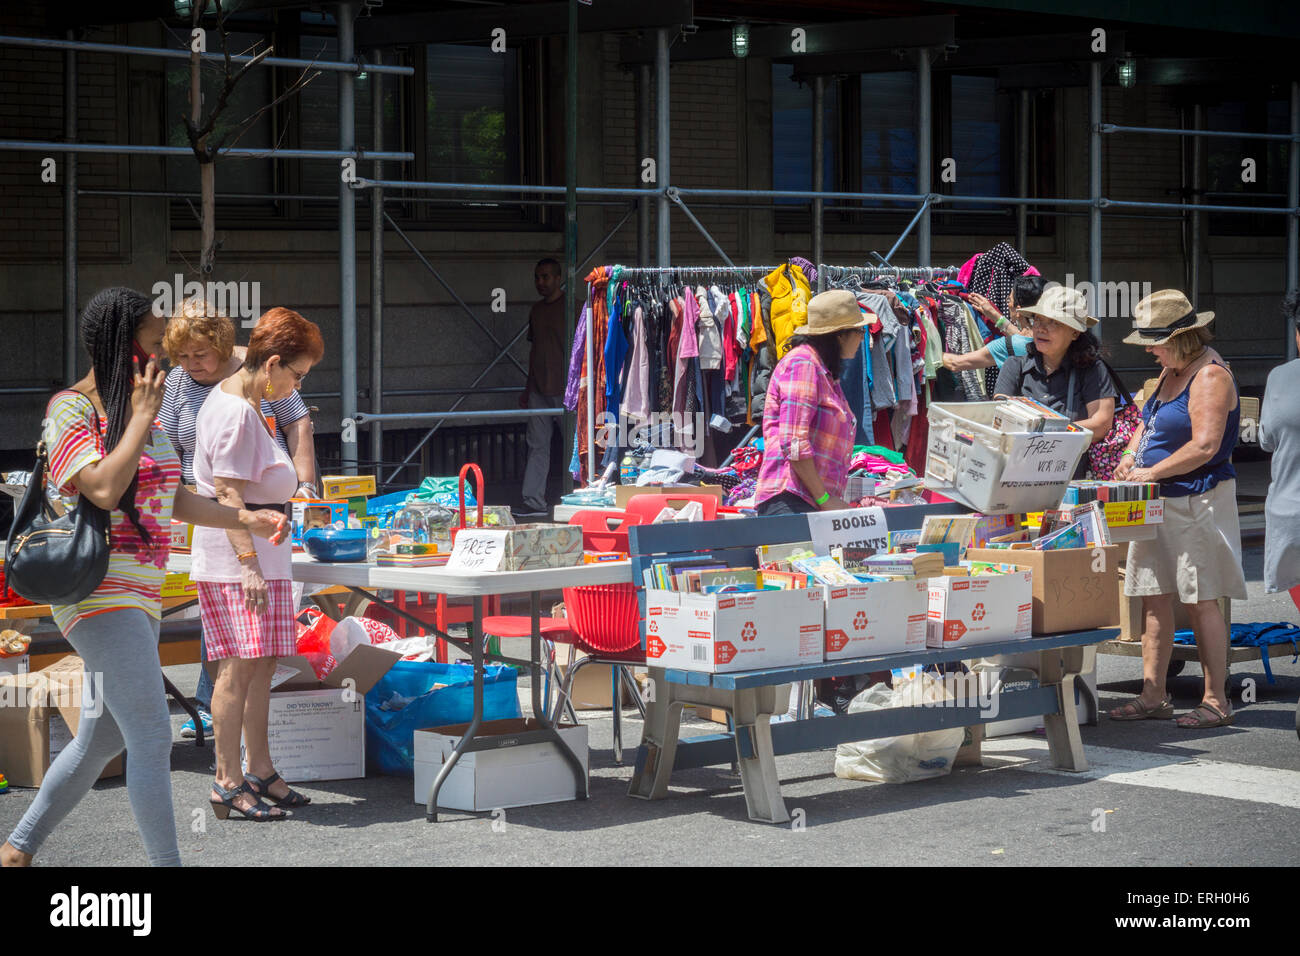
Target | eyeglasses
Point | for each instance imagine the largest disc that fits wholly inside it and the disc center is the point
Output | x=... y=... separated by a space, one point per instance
x=297 y=375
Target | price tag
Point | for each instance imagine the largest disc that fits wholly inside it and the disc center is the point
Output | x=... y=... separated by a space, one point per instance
x=478 y=551
x=853 y=528
x=1035 y=457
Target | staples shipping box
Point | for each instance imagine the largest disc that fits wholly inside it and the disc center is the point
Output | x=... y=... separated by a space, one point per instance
x=718 y=633
x=39 y=716
x=980 y=610
x=867 y=620
x=317 y=728
x=1075 y=589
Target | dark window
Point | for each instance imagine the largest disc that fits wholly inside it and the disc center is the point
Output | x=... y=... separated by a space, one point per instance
x=888 y=135
x=1224 y=159
x=792 y=149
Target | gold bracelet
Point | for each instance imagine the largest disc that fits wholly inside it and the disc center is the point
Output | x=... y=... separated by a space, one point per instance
x=245 y=554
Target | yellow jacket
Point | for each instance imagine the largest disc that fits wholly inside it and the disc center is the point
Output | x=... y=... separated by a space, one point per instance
x=789 y=292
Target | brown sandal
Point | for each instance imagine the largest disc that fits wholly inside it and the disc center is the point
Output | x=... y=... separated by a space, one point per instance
x=1192 y=720
x=1136 y=710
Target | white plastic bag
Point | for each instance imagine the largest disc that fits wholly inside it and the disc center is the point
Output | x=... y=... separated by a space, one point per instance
x=905 y=758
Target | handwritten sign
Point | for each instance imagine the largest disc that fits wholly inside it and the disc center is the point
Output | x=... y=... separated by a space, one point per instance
x=853 y=528
x=478 y=551
x=1045 y=457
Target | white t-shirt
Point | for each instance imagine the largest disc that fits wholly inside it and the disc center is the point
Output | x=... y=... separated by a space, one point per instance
x=232 y=441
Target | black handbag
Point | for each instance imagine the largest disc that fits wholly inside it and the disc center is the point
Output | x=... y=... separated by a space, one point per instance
x=55 y=559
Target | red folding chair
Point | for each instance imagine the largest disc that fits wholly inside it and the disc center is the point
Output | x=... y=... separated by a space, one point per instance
x=647 y=507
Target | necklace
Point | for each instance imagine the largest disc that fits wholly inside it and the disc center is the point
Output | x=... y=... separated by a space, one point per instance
x=1179 y=373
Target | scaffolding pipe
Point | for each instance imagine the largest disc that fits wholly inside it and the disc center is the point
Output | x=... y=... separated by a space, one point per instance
x=488 y=415
x=672 y=194
x=1198 y=120
x=1022 y=171
x=642 y=154
x=1094 y=174
x=818 y=175
x=1198 y=133
x=571 y=196
x=925 y=206
x=70 y=219
x=353 y=66
x=1293 y=223
x=663 y=106
x=228 y=152
x=377 y=266
x=347 y=246
x=497 y=188
x=924 y=175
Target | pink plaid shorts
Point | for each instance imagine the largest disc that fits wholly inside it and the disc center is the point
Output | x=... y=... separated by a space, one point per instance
x=231 y=630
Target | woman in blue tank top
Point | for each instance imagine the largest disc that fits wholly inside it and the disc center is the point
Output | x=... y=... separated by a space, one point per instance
x=1189 y=429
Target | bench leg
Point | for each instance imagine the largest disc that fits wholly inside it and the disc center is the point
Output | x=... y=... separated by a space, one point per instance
x=1059 y=668
x=752 y=711
x=658 y=750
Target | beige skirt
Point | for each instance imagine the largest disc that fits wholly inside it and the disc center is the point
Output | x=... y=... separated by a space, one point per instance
x=1196 y=554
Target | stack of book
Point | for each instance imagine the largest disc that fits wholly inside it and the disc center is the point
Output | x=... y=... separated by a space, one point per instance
x=1090 y=517
x=1081 y=492
x=906 y=565
x=1022 y=414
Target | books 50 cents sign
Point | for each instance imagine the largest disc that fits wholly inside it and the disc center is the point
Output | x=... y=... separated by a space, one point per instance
x=852 y=528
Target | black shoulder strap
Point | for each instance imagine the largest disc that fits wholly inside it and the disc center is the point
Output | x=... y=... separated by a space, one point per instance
x=1119 y=385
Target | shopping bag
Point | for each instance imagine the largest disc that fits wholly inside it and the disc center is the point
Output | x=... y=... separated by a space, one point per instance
x=908 y=757
x=416 y=695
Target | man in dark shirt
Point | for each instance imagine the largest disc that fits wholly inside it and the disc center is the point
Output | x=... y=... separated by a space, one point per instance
x=546 y=380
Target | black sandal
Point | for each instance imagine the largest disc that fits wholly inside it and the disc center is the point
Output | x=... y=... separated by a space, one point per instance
x=262 y=789
x=258 y=812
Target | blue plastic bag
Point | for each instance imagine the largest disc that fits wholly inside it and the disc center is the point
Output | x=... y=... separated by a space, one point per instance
x=404 y=701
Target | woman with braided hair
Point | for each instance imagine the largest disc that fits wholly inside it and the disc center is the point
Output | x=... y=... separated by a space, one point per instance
x=105 y=443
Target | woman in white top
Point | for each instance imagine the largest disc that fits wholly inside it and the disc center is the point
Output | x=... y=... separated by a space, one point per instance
x=245 y=587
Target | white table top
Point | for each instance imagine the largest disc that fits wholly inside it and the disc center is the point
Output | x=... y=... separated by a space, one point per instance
x=454 y=583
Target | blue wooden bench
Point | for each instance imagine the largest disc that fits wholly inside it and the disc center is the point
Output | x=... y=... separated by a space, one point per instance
x=752 y=697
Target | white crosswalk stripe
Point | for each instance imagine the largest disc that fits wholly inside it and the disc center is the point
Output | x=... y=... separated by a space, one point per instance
x=1211 y=778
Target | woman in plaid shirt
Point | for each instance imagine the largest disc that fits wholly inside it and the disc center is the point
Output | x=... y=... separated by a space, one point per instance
x=807 y=423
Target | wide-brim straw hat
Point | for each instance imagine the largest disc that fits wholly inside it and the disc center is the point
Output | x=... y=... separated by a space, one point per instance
x=1162 y=315
x=833 y=311
x=1063 y=304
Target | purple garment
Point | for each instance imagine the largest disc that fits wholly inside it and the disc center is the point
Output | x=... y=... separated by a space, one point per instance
x=576 y=359
x=809 y=270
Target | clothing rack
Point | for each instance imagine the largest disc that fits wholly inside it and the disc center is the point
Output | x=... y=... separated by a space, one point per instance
x=838 y=271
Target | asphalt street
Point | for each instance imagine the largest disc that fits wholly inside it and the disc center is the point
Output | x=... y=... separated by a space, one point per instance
x=1155 y=795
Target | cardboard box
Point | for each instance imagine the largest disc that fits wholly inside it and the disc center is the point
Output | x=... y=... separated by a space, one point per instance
x=867 y=620
x=625 y=493
x=39 y=715
x=1130 y=614
x=317 y=729
x=502 y=777
x=1073 y=588
x=346 y=486
x=980 y=610
x=720 y=633
x=182 y=535
x=521 y=548
x=592 y=688
x=178 y=584
x=306 y=513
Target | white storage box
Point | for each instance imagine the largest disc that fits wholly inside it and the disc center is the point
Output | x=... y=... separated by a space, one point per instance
x=980 y=610
x=1020 y=671
x=742 y=631
x=496 y=779
x=867 y=620
x=996 y=472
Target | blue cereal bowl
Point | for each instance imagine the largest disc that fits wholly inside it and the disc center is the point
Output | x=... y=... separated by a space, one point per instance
x=336 y=544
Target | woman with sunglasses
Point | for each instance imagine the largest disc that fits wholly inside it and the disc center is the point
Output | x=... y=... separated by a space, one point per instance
x=1062 y=366
x=245 y=587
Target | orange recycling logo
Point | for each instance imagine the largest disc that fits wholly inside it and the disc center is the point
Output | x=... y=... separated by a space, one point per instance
x=748 y=632
x=654 y=627
x=978 y=613
x=860 y=621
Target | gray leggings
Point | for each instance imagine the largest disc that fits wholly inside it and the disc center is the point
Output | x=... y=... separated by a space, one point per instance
x=123 y=647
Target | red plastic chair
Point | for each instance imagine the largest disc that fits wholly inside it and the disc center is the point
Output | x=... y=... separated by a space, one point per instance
x=597 y=535
x=647 y=507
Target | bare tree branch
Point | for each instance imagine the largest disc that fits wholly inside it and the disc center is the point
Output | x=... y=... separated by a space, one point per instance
x=233 y=136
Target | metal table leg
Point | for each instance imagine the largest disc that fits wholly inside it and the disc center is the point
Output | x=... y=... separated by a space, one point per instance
x=539 y=710
x=476 y=654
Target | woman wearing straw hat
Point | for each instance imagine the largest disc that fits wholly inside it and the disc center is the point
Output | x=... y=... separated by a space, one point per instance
x=1185 y=442
x=807 y=423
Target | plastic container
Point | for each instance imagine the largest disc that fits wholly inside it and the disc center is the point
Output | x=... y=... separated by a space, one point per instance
x=604 y=616
x=336 y=544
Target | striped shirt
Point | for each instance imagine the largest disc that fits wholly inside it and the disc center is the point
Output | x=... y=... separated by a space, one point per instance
x=180 y=408
x=806 y=416
x=135 y=567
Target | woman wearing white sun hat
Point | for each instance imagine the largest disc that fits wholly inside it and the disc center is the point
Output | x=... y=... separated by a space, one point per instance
x=1189 y=429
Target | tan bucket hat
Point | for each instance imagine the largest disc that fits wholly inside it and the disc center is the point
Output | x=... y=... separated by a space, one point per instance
x=1162 y=315
x=833 y=311
x=1065 y=305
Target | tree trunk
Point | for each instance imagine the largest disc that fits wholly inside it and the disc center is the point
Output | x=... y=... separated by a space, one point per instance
x=207 y=216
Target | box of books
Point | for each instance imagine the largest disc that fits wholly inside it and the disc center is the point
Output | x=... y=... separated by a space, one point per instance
x=733 y=631
x=871 y=619
x=994 y=471
x=1074 y=589
x=981 y=609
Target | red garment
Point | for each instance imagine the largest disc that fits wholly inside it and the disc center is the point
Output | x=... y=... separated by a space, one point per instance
x=918 y=439
x=597 y=330
x=730 y=348
x=883 y=428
